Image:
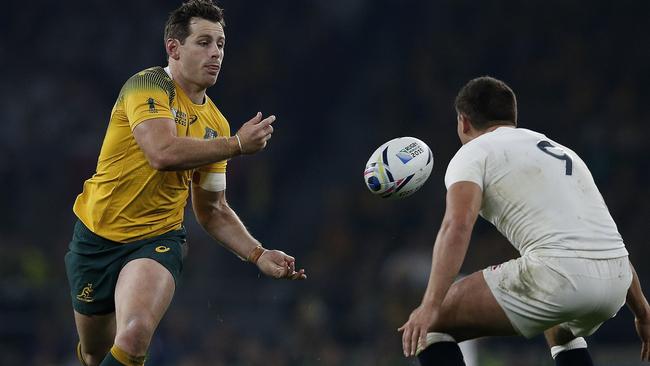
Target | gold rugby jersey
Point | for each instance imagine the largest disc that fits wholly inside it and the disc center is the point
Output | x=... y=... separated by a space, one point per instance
x=126 y=199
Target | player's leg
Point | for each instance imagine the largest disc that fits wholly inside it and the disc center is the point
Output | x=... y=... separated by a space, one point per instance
x=96 y=334
x=143 y=293
x=567 y=349
x=600 y=288
x=92 y=264
x=468 y=311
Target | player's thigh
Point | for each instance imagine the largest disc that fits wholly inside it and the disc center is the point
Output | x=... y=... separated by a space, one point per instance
x=143 y=293
x=96 y=332
x=470 y=311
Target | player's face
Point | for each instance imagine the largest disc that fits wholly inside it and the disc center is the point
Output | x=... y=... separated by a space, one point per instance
x=202 y=53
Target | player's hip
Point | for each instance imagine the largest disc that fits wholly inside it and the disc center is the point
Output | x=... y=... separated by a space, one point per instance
x=93 y=264
x=568 y=283
x=539 y=292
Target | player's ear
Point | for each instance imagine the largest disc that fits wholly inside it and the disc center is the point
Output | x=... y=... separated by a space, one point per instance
x=464 y=123
x=172 y=46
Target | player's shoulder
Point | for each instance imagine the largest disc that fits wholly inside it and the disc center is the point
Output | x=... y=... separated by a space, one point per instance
x=152 y=78
x=472 y=151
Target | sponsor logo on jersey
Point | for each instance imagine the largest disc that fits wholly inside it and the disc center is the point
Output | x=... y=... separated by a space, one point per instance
x=210 y=134
x=152 y=105
x=162 y=249
x=409 y=152
x=86 y=293
x=181 y=118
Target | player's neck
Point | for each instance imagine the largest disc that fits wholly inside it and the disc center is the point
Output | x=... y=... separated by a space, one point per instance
x=194 y=92
x=492 y=128
x=472 y=134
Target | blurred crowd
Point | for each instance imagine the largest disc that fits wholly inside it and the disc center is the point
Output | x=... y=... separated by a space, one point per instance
x=343 y=76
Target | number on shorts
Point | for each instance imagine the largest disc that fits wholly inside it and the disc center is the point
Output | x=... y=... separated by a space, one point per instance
x=545 y=145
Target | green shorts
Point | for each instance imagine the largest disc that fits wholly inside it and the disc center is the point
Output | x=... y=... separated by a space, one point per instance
x=94 y=263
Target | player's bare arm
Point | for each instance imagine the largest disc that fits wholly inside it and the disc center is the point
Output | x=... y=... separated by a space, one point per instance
x=638 y=303
x=463 y=204
x=222 y=223
x=165 y=150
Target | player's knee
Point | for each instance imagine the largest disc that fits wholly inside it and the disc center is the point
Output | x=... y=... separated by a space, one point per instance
x=134 y=338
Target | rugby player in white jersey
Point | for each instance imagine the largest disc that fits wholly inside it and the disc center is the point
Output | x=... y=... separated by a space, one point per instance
x=573 y=273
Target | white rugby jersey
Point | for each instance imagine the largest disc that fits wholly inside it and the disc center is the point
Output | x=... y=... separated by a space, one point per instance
x=538 y=194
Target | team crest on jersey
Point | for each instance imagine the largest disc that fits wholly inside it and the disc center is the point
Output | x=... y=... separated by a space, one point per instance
x=210 y=134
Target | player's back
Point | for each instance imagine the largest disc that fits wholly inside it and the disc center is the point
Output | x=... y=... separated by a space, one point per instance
x=542 y=197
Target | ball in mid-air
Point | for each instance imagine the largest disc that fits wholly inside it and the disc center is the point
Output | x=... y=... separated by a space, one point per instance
x=398 y=168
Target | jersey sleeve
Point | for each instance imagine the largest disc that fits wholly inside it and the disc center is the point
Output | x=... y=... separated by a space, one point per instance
x=217 y=126
x=218 y=167
x=468 y=164
x=147 y=95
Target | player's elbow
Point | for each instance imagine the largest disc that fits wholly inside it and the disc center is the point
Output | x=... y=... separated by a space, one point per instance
x=161 y=160
x=216 y=213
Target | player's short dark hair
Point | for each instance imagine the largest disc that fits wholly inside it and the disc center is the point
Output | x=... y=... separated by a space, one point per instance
x=178 y=23
x=487 y=102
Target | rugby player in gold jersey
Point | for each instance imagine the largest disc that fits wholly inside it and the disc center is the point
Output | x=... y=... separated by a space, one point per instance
x=166 y=141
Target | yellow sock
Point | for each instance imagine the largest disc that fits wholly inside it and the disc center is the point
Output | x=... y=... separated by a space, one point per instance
x=125 y=358
x=80 y=356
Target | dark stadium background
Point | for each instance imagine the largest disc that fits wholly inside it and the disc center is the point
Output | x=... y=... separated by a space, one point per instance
x=343 y=76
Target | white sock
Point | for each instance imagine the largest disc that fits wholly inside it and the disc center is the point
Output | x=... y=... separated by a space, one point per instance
x=576 y=343
x=432 y=338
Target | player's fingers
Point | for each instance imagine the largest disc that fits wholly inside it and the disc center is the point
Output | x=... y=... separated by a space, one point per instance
x=256 y=119
x=414 y=341
x=422 y=341
x=268 y=120
x=300 y=275
x=401 y=329
x=406 y=336
x=289 y=258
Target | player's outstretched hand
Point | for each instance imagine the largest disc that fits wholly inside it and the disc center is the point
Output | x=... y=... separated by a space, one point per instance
x=254 y=134
x=416 y=329
x=643 y=330
x=277 y=264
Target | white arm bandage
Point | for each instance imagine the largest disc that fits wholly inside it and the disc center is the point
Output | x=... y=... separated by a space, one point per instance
x=213 y=182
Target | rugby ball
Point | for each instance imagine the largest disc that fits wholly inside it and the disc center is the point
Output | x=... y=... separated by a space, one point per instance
x=398 y=168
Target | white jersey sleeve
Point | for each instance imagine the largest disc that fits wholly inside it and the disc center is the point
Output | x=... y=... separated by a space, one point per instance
x=467 y=165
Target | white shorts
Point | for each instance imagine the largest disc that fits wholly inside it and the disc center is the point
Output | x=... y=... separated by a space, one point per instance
x=538 y=292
